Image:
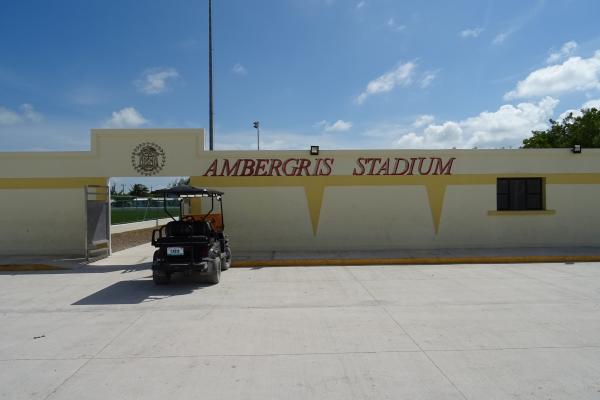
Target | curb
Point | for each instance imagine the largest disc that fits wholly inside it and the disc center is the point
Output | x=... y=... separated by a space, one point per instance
x=29 y=267
x=315 y=262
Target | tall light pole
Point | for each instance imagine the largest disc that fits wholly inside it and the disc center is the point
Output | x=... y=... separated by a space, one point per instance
x=210 y=79
x=256 y=124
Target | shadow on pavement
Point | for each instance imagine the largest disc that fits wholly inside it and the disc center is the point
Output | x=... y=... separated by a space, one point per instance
x=86 y=269
x=138 y=291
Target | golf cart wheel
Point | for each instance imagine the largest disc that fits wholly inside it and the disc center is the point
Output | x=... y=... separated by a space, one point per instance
x=227 y=259
x=161 y=278
x=215 y=275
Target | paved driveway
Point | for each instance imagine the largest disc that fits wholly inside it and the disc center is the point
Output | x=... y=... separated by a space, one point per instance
x=374 y=332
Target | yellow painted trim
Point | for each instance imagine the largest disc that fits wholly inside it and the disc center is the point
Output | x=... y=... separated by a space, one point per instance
x=314 y=186
x=520 y=213
x=364 y=180
x=435 y=194
x=50 y=183
x=28 y=267
x=412 y=261
x=314 y=198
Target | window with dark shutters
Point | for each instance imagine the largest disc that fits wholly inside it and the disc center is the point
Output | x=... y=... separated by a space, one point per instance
x=520 y=194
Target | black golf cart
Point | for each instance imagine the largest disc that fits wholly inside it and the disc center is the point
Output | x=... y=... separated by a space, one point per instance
x=194 y=244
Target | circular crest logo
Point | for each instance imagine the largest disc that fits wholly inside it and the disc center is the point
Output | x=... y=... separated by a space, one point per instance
x=148 y=158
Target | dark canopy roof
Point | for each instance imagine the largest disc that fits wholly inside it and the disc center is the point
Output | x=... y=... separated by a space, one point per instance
x=187 y=190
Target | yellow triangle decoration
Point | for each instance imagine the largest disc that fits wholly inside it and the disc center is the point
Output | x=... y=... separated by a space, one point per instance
x=314 y=197
x=436 y=189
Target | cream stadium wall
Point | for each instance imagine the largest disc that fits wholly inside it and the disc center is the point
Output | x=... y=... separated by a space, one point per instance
x=452 y=205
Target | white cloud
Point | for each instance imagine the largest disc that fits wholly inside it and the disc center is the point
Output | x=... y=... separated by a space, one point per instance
x=26 y=113
x=565 y=51
x=30 y=114
x=501 y=37
x=470 y=33
x=530 y=11
x=127 y=117
x=277 y=140
x=393 y=25
x=155 y=80
x=576 y=113
x=423 y=120
x=239 y=69
x=400 y=76
x=507 y=126
x=427 y=78
x=591 y=104
x=410 y=141
x=337 y=126
x=575 y=74
x=360 y=4
x=9 y=117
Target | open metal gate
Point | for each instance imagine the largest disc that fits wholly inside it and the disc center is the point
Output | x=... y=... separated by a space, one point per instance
x=97 y=222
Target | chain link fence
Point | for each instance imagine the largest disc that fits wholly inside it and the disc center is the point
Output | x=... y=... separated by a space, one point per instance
x=126 y=209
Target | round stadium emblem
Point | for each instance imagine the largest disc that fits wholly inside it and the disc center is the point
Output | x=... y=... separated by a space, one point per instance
x=148 y=158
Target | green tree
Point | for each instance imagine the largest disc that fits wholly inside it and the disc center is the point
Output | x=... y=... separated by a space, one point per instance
x=139 y=190
x=583 y=129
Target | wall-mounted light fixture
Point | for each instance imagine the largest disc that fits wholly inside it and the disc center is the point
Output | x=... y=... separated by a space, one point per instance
x=314 y=150
x=256 y=125
x=576 y=148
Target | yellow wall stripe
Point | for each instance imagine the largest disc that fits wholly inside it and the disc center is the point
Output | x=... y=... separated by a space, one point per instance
x=411 y=261
x=314 y=186
x=50 y=183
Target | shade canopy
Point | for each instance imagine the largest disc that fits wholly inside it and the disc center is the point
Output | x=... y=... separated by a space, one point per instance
x=187 y=190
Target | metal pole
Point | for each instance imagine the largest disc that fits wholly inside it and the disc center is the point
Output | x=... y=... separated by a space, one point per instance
x=210 y=79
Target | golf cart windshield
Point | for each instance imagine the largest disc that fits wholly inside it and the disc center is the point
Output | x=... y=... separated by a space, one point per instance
x=188 y=191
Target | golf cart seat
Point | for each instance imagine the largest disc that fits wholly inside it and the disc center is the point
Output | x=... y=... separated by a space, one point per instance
x=179 y=228
x=203 y=228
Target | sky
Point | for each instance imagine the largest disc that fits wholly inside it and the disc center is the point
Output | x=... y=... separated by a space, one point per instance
x=342 y=74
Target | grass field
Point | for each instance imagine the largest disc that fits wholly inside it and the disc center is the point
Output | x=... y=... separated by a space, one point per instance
x=123 y=215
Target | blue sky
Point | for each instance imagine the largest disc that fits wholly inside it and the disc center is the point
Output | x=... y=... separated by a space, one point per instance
x=338 y=73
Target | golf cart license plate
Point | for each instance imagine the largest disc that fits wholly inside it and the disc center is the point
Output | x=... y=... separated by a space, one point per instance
x=174 y=251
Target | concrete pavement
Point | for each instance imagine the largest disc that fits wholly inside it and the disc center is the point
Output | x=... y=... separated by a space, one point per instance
x=495 y=331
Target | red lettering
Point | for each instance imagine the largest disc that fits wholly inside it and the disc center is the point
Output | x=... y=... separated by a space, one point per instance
x=412 y=166
x=373 y=162
x=229 y=170
x=275 y=167
x=421 y=159
x=329 y=165
x=303 y=167
x=361 y=165
x=442 y=169
x=248 y=168
x=212 y=170
x=317 y=170
x=398 y=164
x=261 y=164
x=286 y=164
x=324 y=166
x=385 y=168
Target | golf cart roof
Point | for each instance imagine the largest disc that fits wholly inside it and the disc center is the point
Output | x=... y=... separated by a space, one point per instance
x=188 y=190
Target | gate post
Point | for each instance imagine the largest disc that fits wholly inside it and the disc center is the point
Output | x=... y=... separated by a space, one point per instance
x=97 y=222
